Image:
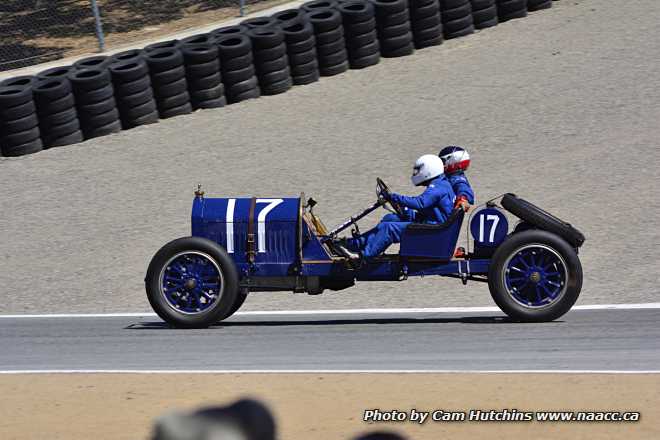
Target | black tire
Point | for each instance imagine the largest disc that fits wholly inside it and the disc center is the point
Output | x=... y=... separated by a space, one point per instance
x=210 y=103
x=334 y=70
x=265 y=37
x=112 y=127
x=49 y=90
x=203 y=69
x=417 y=12
x=56 y=72
x=459 y=33
x=329 y=36
x=333 y=59
x=149 y=118
x=89 y=79
x=165 y=77
x=301 y=80
x=91 y=122
x=237 y=63
x=21 y=137
x=301 y=46
x=273 y=65
x=228 y=30
x=173 y=101
x=127 y=55
x=14 y=96
x=389 y=6
x=402 y=51
x=302 y=57
x=543 y=220
x=478 y=5
x=233 y=45
x=167 y=45
x=17 y=111
x=305 y=69
x=58 y=131
x=486 y=24
x=394 y=43
x=361 y=27
x=235 y=76
x=92 y=96
x=364 y=51
x=356 y=11
x=95 y=62
x=324 y=20
x=198 y=39
x=289 y=17
x=138 y=111
x=21 y=150
x=328 y=49
x=20 y=81
x=428 y=22
x=129 y=101
x=429 y=42
x=196 y=54
x=133 y=87
x=367 y=61
x=393 y=19
x=274 y=77
x=275 y=88
x=205 y=82
x=315 y=5
x=21 y=124
x=59 y=118
x=176 y=111
x=428 y=33
x=240 y=299
x=260 y=22
x=128 y=71
x=270 y=53
x=484 y=14
x=45 y=108
x=243 y=86
x=160 y=60
x=514 y=308
x=457 y=13
x=98 y=107
x=394 y=31
x=207 y=94
x=73 y=138
x=298 y=31
x=244 y=96
x=171 y=89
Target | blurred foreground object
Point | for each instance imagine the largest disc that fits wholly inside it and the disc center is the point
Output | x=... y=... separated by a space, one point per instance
x=246 y=419
x=381 y=435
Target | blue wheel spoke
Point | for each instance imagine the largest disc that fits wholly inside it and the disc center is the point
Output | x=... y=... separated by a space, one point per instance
x=549 y=294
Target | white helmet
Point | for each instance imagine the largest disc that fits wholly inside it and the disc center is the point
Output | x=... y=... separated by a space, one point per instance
x=426 y=168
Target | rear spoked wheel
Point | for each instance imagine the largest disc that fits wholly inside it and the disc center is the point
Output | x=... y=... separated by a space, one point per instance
x=191 y=282
x=535 y=276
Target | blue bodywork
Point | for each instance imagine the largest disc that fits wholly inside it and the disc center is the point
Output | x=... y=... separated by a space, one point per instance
x=289 y=245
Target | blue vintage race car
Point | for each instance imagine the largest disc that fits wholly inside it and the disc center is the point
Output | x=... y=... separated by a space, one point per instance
x=243 y=245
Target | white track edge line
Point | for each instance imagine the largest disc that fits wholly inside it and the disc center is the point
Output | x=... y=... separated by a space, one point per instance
x=338 y=311
x=10 y=372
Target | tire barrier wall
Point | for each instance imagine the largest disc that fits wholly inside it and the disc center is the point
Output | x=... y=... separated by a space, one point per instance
x=100 y=95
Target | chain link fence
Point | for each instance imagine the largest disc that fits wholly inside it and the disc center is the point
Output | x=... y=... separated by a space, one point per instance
x=38 y=31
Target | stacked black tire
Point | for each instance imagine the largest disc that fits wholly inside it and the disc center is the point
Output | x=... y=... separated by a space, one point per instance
x=58 y=116
x=394 y=29
x=203 y=75
x=330 y=43
x=95 y=62
x=456 y=18
x=133 y=92
x=168 y=79
x=237 y=67
x=95 y=101
x=484 y=13
x=510 y=9
x=270 y=59
x=426 y=23
x=359 y=21
x=537 y=5
x=19 y=124
x=300 y=49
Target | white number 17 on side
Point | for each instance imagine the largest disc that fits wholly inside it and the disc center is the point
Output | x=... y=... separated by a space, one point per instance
x=482 y=220
x=261 y=223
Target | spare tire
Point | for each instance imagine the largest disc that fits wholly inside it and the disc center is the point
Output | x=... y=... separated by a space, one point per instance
x=542 y=219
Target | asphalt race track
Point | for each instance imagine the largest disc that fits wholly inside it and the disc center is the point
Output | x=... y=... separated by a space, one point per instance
x=584 y=340
x=561 y=107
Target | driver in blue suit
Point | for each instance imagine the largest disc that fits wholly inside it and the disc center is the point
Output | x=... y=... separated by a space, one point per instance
x=434 y=205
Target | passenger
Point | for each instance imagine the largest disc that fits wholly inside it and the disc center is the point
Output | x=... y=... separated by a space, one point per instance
x=457 y=160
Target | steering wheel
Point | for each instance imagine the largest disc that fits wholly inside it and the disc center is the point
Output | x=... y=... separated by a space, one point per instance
x=384 y=194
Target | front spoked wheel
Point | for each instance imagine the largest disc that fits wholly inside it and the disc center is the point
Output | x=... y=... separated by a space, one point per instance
x=191 y=282
x=535 y=276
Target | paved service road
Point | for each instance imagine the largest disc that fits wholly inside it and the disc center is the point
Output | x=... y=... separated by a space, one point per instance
x=583 y=340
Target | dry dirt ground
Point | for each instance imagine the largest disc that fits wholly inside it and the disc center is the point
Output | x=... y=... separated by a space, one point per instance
x=326 y=406
x=67 y=28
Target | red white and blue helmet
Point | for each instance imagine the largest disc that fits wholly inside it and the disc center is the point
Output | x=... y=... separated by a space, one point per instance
x=455 y=159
